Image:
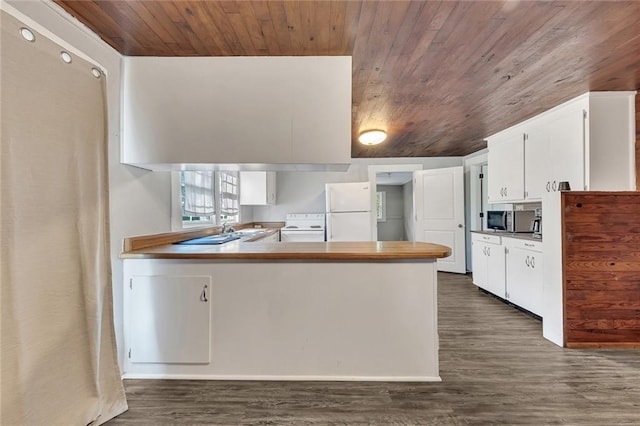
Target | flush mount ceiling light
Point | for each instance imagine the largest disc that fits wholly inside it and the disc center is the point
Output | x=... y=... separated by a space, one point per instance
x=65 y=56
x=372 y=137
x=27 y=34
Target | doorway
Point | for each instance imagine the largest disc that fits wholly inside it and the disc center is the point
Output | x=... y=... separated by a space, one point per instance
x=394 y=197
x=394 y=175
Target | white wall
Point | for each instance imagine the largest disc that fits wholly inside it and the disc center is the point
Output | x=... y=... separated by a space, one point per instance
x=139 y=200
x=392 y=229
x=303 y=192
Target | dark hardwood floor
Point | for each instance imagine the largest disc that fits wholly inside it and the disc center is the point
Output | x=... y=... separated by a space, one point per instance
x=495 y=366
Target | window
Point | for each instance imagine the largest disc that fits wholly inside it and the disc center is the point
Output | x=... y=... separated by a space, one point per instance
x=229 y=203
x=381 y=206
x=206 y=198
x=197 y=198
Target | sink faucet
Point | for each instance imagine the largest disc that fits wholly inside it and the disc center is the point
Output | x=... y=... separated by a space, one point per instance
x=226 y=229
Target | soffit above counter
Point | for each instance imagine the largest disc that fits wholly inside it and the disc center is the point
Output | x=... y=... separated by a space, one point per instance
x=247 y=167
x=243 y=113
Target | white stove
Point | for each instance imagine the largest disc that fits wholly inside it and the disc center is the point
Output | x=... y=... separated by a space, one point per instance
x=303 y=227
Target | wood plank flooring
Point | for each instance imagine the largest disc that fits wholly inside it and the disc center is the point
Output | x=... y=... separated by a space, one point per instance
x=495 y=366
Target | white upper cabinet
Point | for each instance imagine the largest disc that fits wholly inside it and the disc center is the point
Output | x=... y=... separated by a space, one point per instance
x=588 y=142
x=506 y=167
x=555 y=152
x=257 y=188
x=537 y=167
x=293 y=113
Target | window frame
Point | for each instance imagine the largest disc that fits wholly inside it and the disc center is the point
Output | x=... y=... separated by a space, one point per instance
x=177 y=224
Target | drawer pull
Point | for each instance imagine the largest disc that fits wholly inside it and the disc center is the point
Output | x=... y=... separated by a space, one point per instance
x=529 y=245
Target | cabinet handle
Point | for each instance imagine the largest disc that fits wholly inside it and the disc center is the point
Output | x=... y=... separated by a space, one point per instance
x=527 y=261
x=488 y=251
x=553 y=186
x=548 y=186
x=484 y=250
x=203 y=295
x=529 y=245
x=533 y=262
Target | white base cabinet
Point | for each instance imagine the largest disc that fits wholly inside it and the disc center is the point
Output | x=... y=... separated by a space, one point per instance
x=524 y=274
x=281 y=320
x=169 y=319
x=510 y=268
x=488 y=263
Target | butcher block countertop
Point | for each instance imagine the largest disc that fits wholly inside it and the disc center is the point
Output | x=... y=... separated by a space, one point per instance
x=381 y=250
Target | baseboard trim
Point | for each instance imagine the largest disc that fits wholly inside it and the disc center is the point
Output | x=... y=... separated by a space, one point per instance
x=284 y=378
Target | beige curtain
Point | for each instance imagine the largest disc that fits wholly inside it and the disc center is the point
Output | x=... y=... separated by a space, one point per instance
x=59 y=364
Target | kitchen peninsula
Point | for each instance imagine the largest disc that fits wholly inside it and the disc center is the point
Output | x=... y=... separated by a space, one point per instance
x=281 y=311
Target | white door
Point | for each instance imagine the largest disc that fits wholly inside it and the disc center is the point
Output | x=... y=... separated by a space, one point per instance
x=439 y=213
x=348 y=197
x=349 y=226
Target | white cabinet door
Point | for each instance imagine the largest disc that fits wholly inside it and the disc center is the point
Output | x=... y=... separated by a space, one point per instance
x=506 y=168
x=567 y=149
x=170 y=319
x=488 y=263
x=495 y=270
x=537 y=168
x=479 y=263
x=524 y=278
x=257 y=188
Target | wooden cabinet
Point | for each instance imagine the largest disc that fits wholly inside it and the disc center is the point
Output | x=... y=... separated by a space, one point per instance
x=506 y=167
x=257 y=188
x=524 y=273
x=488 y=263
x=169 y=318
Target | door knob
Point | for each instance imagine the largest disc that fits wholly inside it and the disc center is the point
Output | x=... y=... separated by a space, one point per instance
x=460 y=225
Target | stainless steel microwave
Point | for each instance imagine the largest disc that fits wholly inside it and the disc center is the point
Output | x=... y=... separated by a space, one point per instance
x=510 y=221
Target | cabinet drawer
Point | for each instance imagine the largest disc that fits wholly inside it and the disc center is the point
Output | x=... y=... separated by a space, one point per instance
x=490 y=239
x=523 y=244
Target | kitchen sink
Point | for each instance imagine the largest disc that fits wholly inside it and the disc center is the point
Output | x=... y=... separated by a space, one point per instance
x=212 y=239
x=249 y=231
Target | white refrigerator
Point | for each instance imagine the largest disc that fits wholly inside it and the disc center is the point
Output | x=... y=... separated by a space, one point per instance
x=349 y=211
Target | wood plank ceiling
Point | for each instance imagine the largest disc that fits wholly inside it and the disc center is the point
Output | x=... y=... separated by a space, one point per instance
x=439 y=76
